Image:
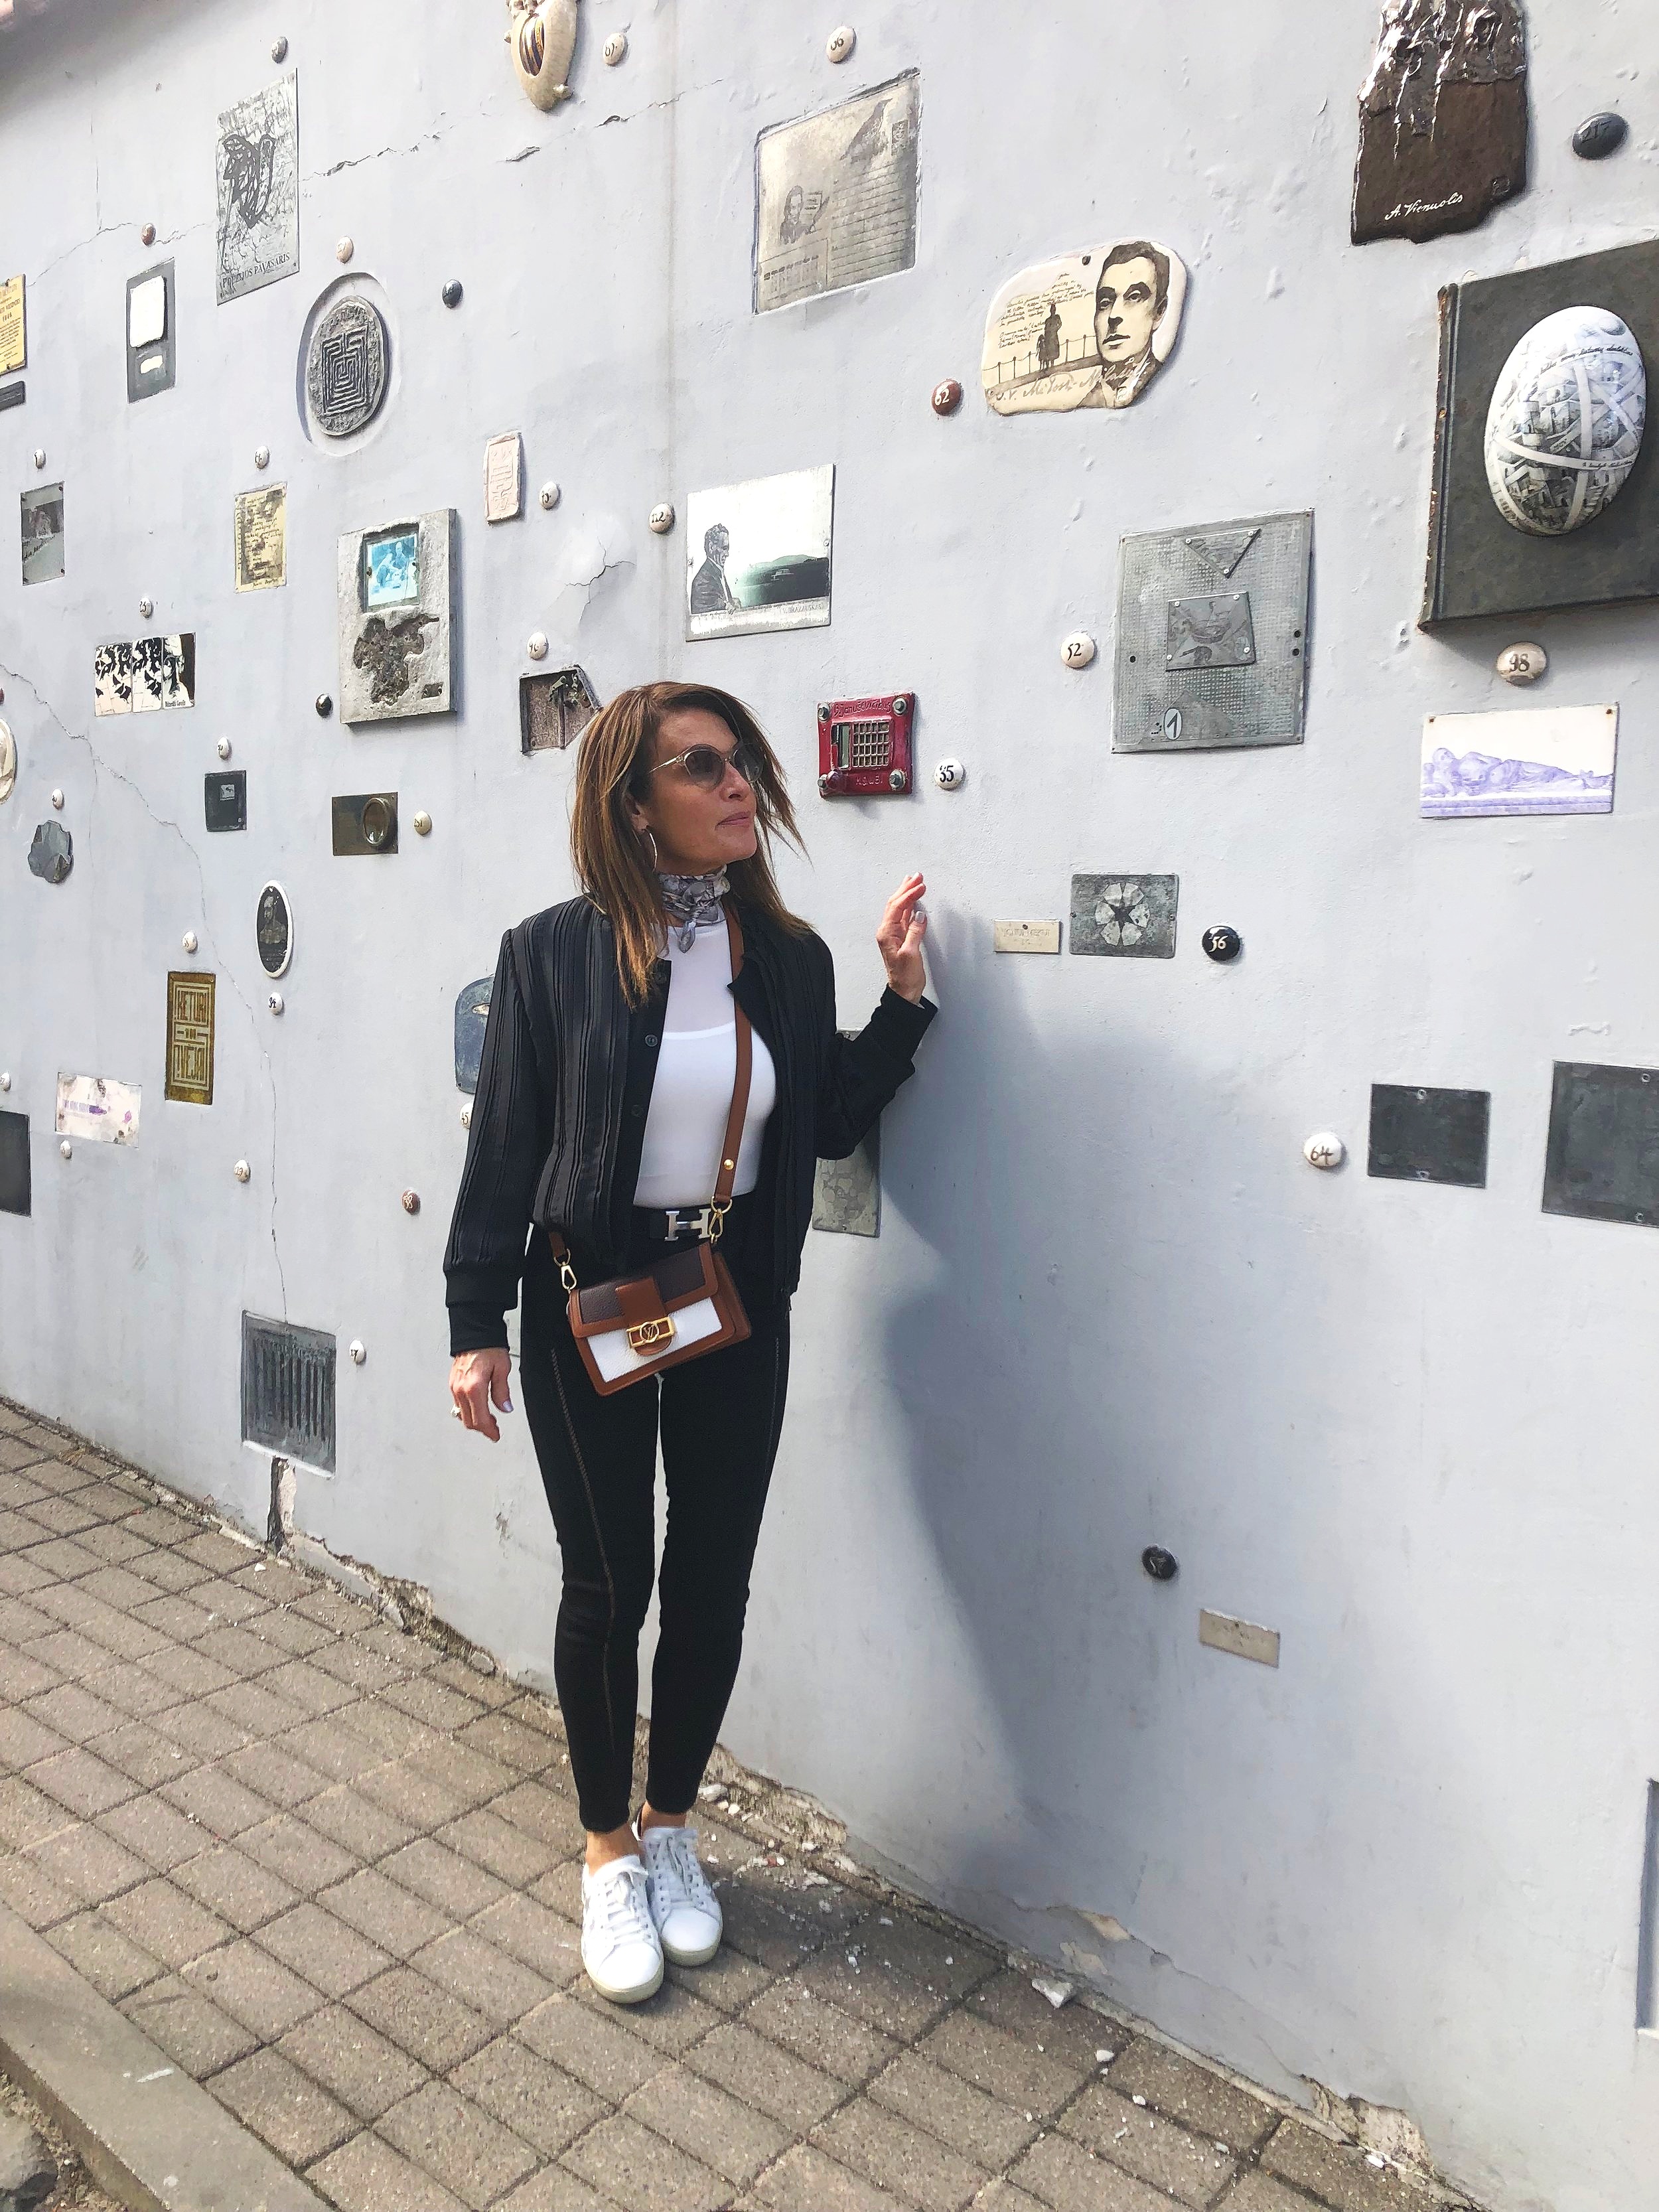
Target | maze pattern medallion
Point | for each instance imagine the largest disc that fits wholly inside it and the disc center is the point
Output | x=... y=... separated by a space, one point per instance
x=346 y=368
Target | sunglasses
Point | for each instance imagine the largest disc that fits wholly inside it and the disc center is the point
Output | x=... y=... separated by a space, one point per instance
x=707 y=765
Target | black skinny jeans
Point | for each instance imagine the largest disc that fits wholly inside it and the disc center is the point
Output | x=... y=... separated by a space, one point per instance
x=718 y=1418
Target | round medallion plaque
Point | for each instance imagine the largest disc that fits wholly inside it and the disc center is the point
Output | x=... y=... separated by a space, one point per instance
x=274 y=931
x=7 y=761
x=346 y=368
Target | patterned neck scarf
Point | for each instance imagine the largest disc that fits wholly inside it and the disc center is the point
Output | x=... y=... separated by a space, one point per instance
x=690 y=902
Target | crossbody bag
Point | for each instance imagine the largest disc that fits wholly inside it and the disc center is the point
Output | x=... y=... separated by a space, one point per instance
x=684 y=1305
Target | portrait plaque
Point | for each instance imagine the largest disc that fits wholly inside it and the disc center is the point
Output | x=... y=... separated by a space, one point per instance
x=43 y=533
x=1602 y=1158
x=471 y=1019
x=836 y=196
x=261 y=535
x=554 y=709
x=273 y=929
x=1122 y=917
x=1443 y=118
x=346 y=368
x=1419 y=1134
x=14 y=1190
x=189 y=1037
x=1090 y=329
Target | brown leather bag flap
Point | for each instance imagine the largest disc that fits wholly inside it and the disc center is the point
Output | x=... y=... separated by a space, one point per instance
x=680 y=1280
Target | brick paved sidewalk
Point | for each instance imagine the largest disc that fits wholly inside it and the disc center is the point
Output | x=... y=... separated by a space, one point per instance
x=333 y=1870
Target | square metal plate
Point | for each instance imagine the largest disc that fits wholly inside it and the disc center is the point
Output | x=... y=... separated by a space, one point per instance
x=14 y=1188
x=224 y=798
x=288 y=1390
x=1424 y=1135
x=1123 y=917
x=1602 y=1160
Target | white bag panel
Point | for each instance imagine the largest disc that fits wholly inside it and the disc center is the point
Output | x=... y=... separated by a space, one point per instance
x=613 y=1355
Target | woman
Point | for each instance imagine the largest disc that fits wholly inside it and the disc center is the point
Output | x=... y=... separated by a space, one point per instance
x=604 y=1092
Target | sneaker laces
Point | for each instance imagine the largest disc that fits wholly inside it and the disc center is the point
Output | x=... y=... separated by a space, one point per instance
x=622 y=1899
x=676 y=1870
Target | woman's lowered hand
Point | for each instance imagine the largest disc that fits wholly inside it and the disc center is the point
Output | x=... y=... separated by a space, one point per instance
x=475 y=1379
x=903 y=926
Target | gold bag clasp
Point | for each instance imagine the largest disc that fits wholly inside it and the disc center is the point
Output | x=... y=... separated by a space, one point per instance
x=644 y=1334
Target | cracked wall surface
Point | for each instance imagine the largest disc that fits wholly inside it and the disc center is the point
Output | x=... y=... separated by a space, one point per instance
x=1110 y=1306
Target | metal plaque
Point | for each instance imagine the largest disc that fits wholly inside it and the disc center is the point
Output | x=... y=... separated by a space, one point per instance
x=836 y=196
x=365 y=822
x=273 y=929
x=1443 y=118
x=1424 y=1135
x=225 y=798
x=288 y=1390
x=471 y=1019
x=1244 y=1639
x=1478 y=562
x=847 y=1193
x=1125 y=917
x=397 y=619
x=554 y=709
x=190 y=1037
x=15 y=1196
x=504 y=477
x=1212 y=635
x=150 y=353
x=261 y=538
x=98 y=1109
x=1603 y=1159
x=14 y=333
x=12 y=395
x=346 y=368
x=1025 y=936
x=257 y=175
x=863 y=745
x=43 y=533
x=51 y=852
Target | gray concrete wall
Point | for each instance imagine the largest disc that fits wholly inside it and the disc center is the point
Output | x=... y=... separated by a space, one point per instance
x=1410 y=1428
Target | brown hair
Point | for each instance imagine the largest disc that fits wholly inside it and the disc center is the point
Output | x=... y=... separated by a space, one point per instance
x=609 y=856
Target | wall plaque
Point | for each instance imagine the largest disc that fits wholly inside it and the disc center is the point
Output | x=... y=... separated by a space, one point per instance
x=7 y=761
x=1423 y=1135
x=863 y=745
x=43 y=533
x=1025 y=936
x=1603 y=1159
x=471 y=1019
x=397 y=619
x=1443 y=118
x=758 y=555
x=1090 y=329
x=12 y=395
x=847 y=1193
x=146 y=674
x=1212 y=646
x=365 y=822
x=225 y=798
x=14 y=331
x=15 y=1195
x=98 y=1109
x=554 y=709
x=273 y=929
x=836 y=196
x=288 y=1390
x=258 y=176
x=542 y=39
x=504 y=477
x=189 y=1037
x=1549 y=440
x=346 y=368
x=150 y=352
x=51 y=852
x=261 y=538
x=1539 y=760
x=1125 y=917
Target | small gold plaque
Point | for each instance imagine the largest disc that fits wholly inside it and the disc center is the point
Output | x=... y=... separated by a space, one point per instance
x=13 y=344
x=189 y=1037
x=1027 y=936
x=262 y=538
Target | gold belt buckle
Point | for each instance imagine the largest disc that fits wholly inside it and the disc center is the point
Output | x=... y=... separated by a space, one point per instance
x=644 y=1334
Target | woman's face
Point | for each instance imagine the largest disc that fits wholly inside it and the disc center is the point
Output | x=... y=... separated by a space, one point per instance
x=698 y=827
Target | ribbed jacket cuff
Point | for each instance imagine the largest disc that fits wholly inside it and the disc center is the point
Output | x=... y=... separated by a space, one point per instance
x=476 y=1328
x=898 y=1027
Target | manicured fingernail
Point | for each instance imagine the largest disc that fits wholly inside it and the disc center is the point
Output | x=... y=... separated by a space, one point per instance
x=507 y=1405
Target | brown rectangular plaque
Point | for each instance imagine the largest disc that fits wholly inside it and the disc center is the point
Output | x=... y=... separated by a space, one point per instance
x=190 y=1037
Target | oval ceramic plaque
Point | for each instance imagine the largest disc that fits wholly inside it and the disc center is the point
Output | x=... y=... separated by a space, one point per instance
x=7 y=761
x=1565 y=422
x=274 y=930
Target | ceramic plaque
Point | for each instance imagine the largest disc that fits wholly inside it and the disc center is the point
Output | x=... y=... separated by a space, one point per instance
x=7 y=761
x=43 y=533
x=258 y=176
x=1565 y=422
x=191 y=997
x=273 y=931
x=397 y=619
x=151 y=354
x=1122 y=917
x=1539 y=760
x=98 y=1109
x=1212 y=646
x=836 y=196
x=504 y=477
x=261 y=538
x=758 y=555
x=1443 y=118
x=1090 y=328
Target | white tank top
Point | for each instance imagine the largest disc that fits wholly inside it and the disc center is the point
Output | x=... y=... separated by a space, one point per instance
x=697 y=1066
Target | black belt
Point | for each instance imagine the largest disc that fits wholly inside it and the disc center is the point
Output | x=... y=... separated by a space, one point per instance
x=677 y=1224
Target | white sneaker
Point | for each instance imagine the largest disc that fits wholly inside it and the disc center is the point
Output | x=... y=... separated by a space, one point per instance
x=685 y=1910
x=620 y=1948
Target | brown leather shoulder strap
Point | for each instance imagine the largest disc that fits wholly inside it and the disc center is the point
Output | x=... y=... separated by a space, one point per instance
x=734 y=1121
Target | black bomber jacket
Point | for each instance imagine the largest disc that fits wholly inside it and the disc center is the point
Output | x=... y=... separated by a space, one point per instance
x=564 y=1087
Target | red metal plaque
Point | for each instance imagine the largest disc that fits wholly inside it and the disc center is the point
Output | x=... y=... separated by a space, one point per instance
x=863 y=746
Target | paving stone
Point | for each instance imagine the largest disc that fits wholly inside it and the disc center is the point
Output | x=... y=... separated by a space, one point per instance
x=335 y=1750
x=544 y=1814
x=467 y=2150
x=890 y=2151
x=703 y=2119
x=256 y=1707
x=492 y=1691
x=231 y=1600
x=163 y=1837
x=305 y=1859
x=21 y=1623
x=68 y=1653
x=806 y=2181
x=819 y=2032
x=331 y=1608
x=121 y=1587
x=141 y=1752
x=559 y=1889
x=165 y=1569
x=1003 y=2196
x=63 y=1605
x=980 y=2127
x=405 y=1649
x=299 y=2120
x=542 y=2103
x=79 y=1780
x=271 y=1773
x=641 y=2171
x=112 y=1962
x=1213 y=2108
x=60 y=1555
x=1182 y=2165
x=352 y=1662
x=386 y=1913
x=476 y=1778
x=292 y=1633
x=1334 y=2173
x=22 y=1678
x=14 y=1452
x=728 y=1980
x=782 y=1930
x=473 y=1970
x=208 y=1734
x=542 y=1939
x=125 y=1638
x=553 y=2190
x=24 y=1739
x=361 y=2069
x=193 y=1674
x=194 y=2034
x=455 y=1885
x=93 y=1864
x=505 y=1849
x=410 y=1796
x=323 y=1950
x=254 y=1988
x=1072 y=2035
x=160 y=1524
x=165 y=1922
x=509 y=1741
x=220 y=1554
x=34 y=1894
x=672 y=2021
x=107 y=1498
x=17 y=1488
x=368 y=1832
x=235 y=1886
x=592 y=2045
x=430 y=1701
x=308 y=1688
x=60 y=1517
x=422 y=2019
x=1064 y=2176
x=132 y=1689
x=115 y=1544
x=277 y=1581
x=367 y=2175
x=1256 y=2191
x=900 y=1978
x=757 y=2073
x=1001 y=2064
x=217 y=1800
x=395 y=1734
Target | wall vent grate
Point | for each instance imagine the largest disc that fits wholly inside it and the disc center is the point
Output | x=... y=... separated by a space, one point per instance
x=288 y=1390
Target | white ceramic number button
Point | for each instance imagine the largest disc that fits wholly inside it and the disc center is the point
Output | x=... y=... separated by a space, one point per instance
x=1079 y=650
x=1324 y=1149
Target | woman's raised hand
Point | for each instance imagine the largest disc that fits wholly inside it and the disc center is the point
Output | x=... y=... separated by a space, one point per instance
x=476 y=1378
x=903 y=926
